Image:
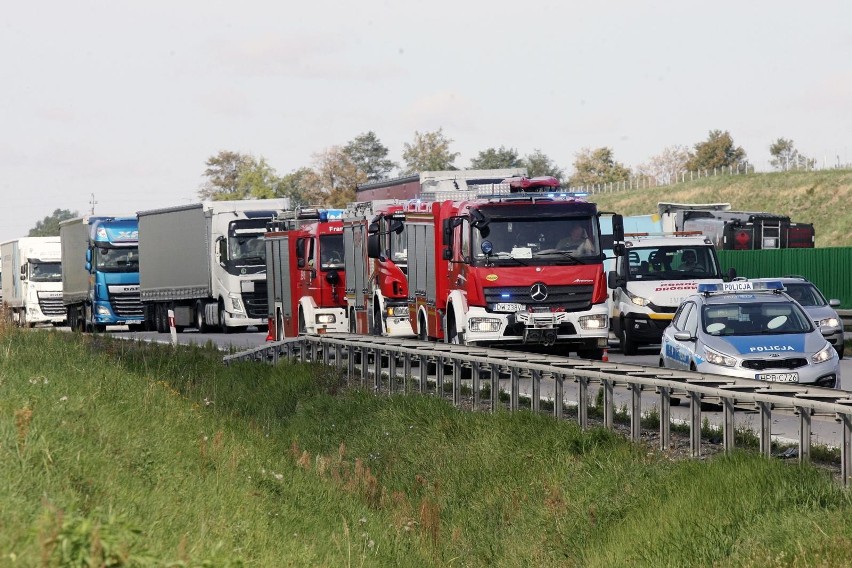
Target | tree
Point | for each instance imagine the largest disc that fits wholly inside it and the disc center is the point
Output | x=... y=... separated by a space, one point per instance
x=666 y=166
x=785 y=156
x=49 y=226
x=430 y=151
x=300 y=186
x=717 y=151
x=370 y=156
x=337 y=177
x=223 y=174
x=538 y=164
x=256 y=180
x=496 y=159
x=597 y=166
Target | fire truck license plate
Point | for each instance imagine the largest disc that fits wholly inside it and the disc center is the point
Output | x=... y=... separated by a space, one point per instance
x=778 y=377
x=509 y=307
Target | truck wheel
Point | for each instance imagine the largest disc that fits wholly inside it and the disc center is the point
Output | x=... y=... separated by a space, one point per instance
x=452 y=332
x=200 y=324
x=222 y=327
x=353 y=327
x=303 y=329
x=422 y=331
x=376 y=320
x=628 y=344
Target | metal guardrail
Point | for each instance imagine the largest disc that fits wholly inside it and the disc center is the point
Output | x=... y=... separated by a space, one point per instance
x=382 y=363
x=846 y=316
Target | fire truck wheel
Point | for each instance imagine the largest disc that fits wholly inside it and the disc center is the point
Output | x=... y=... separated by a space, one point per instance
x=452 y=332
x=352 y=327
x=422 y=331
x=375 y=323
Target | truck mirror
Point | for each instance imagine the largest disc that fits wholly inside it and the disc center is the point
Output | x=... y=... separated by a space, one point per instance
x=88 y=255
x=374 y=249
x=396 y=226
x=447 y=233
x=618 y=249
x=373 y=228
x=479 y=220
x=300 y=263
x=612 y=279
x=448 y=253
x=617 y=228
x=88 y=266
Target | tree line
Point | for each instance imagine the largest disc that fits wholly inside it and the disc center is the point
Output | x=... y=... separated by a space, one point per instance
x=336 y=171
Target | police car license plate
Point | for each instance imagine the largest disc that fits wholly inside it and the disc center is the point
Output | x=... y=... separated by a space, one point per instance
x=509 y=307
x=778 y=377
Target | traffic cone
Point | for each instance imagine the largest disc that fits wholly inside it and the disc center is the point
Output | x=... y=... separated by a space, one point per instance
x=270 y=333
x=605 y=357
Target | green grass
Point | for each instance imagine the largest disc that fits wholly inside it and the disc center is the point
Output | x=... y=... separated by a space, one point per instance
x=123 y=454
x=807 y=197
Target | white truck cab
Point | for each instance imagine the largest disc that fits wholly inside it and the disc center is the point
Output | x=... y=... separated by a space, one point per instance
x=652 y=274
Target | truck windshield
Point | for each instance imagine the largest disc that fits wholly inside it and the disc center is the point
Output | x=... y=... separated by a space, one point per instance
x=398 y=247
x=247 y=249
x=46 y=272
x=672 y=263
x=570 y=240
x=123 y=259
x=331 y=252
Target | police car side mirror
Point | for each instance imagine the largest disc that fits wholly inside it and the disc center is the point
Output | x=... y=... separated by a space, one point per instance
x=834 y=303
x=826 y=331
x=684 y=336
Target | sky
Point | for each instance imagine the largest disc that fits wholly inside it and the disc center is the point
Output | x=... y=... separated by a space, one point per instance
x=117 y=105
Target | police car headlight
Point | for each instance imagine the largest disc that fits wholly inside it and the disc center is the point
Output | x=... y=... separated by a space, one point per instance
x=717 y=358
x=483 y=324
x=825 y=354
x=638 y=300
x=828 y=322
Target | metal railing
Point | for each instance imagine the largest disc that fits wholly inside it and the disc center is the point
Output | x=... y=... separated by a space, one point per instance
x=408 y=365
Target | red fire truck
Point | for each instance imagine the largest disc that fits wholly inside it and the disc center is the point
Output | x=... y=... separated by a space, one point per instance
x=376 y=284
x=305 y=274
x=510 y=270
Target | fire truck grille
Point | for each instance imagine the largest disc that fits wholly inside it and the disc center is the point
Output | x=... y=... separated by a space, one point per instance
x=51 y=306
x=761 y=364
x=127 y=305
x=256 y=302
x=559 y=298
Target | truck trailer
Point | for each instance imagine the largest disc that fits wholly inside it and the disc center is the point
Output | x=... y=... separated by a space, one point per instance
x=32 y=282
x=100 y=272
x=206 y=262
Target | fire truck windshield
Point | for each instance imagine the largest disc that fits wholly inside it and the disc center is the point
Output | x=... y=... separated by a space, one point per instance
x=331 y=252
x=545 y=240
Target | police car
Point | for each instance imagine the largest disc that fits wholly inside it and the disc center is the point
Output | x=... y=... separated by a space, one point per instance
x=752 y=330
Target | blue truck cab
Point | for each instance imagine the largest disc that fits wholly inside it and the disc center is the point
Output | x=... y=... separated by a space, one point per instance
x=101 y=279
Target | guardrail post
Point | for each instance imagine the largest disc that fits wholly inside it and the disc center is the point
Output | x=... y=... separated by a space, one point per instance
x=365 y=365
x=439 y=375
x=476 y=367
x=695 y=424
x=303 y=350
x=559 y=395
x=326 y=353
x=423 y=371
x=609 y=404
x=275 y=352
x=457 y=382
x=350 y=363
x=665 y=418
x=536 y=391
x=583 y=402
x=406 y=372
x=728 y=423
x=391 y=372
x=514 y=387
x=314 y=351
x=338 y=355
x=804 y=434
x=765 y=428
x=495 y=386
x=846 y=449
x=636 y=413
x=377 y=369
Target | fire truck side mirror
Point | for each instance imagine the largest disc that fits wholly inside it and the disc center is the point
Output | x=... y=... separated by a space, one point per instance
x=373 y=247
x=300 y=263
x=618 y=228
x=448 y=253
x=373 y=228
x=396 y=226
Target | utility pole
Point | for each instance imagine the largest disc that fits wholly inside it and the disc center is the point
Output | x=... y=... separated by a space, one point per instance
x=92 y=202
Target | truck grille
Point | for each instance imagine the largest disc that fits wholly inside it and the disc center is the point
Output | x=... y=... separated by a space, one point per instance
x=256 y=302
x=127 y=305
x=762 y=364
x=51 y=306
x=567 y=298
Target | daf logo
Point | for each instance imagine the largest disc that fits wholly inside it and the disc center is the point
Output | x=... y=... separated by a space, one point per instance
x=538 y=292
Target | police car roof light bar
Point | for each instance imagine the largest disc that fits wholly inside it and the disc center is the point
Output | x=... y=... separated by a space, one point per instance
x=739 y=286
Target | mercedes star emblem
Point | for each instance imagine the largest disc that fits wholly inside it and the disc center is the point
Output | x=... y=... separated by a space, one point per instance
x=538 y=292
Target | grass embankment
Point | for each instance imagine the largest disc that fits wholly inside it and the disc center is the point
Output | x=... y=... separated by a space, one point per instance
x=130 y=454
x=821 y=198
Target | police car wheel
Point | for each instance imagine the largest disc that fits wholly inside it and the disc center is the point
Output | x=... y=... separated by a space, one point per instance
x=840 y=349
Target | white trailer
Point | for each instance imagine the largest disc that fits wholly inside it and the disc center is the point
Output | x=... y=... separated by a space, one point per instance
x=207 y=263
x=32 y=281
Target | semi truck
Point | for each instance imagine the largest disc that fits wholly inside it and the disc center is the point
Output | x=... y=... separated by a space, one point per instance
x=32 y=282
x=499 y=270
x=100 y=272
x=736 y=230
x=305 y=273
x=207 y=263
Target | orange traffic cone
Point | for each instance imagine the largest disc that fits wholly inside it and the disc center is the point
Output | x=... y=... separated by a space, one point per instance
x=270 y=334
x=605 y=357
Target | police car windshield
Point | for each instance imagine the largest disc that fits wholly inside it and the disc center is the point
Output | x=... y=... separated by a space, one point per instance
x=755 y=318
x=671 y=263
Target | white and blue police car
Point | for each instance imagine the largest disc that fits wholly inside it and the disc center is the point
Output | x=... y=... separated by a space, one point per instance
x=752 y=330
